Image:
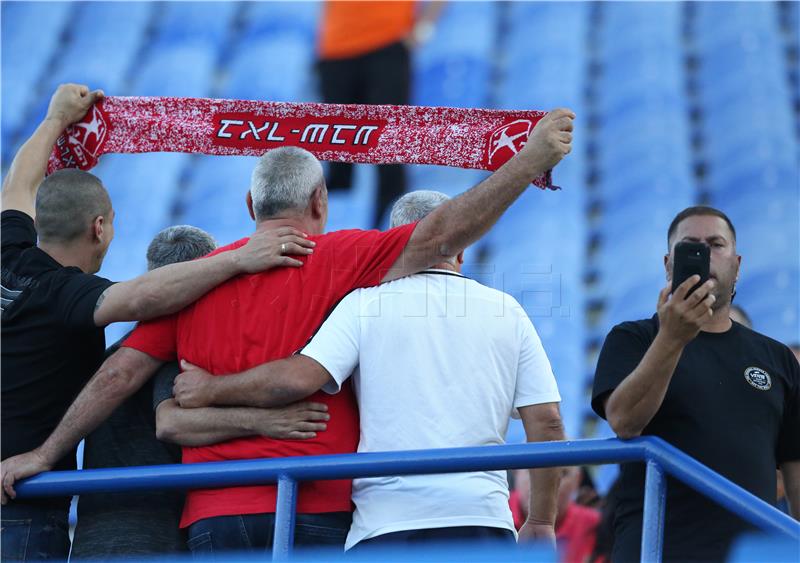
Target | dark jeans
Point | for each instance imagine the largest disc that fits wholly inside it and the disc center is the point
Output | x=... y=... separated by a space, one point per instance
x=254 y=532
x=379 y=77
x=34 y=533
x=472 y=535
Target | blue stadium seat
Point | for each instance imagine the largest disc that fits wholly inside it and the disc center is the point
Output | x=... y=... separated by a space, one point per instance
x=453 y=69
x=347 y=211
x=761 y=182
x=635 y=302
x=215 y=197
x=625 y=161
x=115 y=30
x=542 y=82
x=275 y=68
x=466 y=28
x=31 y=32
x=450 y=181
x=545 y=27
x=183 y=70
x=772 y=299
x=744 y=23
x=207 y=22
x=269 y=18
x=453 y=81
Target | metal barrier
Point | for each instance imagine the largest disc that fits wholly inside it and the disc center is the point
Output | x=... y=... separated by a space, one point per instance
x=659 y=456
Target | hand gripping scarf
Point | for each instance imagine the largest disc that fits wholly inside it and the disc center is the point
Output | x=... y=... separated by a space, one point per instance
x=463 y=138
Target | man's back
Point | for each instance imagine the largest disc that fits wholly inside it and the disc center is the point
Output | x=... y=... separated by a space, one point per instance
x=50 y=343
x=254 y=319
x=443 y=361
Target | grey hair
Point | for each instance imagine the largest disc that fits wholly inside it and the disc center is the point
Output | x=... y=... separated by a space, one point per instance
x=66 y=204
x=415 y=205
x=180 y=243
x=284 y=179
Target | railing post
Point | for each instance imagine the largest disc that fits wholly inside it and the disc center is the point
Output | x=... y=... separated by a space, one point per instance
x=284 y=518
x=655 y=500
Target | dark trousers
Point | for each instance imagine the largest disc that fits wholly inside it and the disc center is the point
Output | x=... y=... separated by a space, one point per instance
x=470 y=535
x=33 y=532
x=379 y=77
x=255 y=532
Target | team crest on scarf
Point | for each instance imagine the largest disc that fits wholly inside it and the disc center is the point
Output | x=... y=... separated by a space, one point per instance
x=507 y=140
x=80 y=145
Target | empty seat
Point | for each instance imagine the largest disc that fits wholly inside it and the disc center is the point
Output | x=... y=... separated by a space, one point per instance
x=270 y=18
x=207 y=22
x=31 y=32
x=183 y=70
x=274 y=68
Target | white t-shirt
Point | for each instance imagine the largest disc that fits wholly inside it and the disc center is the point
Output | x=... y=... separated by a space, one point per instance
x=438 y=361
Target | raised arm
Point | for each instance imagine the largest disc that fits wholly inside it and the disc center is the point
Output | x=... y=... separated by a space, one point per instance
x=170 y=288
x=268 y=385
x=120 y=376
x=542 y=424
x=459 y=222
x=634 y=403
x=68 y=105
x=211 y=425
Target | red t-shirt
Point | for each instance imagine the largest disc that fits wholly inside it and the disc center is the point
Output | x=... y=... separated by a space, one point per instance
x=576 y=533
x=256 y=318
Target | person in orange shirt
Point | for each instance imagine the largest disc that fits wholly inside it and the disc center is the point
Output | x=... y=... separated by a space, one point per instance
x=364 y=58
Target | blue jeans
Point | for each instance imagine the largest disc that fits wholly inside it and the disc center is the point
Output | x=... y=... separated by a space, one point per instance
x=33 y=533
x=462 y=535
x=254 y=533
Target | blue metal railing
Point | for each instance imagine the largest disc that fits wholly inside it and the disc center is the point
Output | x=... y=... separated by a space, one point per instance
x=660 y=458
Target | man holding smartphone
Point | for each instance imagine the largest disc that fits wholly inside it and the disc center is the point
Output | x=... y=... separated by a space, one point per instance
x=724 y=394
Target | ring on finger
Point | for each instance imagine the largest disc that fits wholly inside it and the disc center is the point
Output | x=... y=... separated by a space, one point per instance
x=283 y=248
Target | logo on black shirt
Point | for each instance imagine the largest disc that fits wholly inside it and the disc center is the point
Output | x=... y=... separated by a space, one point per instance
x=758 y=378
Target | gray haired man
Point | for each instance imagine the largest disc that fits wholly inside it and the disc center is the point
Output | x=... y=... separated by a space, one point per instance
x=120 y=524
x=438 y=360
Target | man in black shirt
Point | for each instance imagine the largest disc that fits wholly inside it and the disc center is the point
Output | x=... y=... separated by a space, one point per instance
x=54 y=308
x=146 y=523
x=724 y=394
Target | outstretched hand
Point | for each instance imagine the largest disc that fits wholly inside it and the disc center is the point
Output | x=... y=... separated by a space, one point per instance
x=551 y=139
x=71 y=102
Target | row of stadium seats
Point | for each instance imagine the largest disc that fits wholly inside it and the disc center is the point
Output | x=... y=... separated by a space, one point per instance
x=676 y=103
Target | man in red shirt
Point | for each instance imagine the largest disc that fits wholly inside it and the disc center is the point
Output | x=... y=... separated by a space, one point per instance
x=253 y=319
x=576 y=525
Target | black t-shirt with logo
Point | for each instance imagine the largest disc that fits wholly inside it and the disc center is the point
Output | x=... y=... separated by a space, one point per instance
x=733 y=403
x=51 y=346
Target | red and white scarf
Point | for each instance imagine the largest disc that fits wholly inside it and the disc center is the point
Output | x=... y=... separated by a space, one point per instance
x=463 y=138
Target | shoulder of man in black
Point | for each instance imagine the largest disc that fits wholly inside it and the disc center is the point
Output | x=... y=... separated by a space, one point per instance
x=623 y=349
x=17 y=229
x=31 y=277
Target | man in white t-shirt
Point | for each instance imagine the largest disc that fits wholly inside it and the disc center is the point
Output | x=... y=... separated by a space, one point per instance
x=437 y=360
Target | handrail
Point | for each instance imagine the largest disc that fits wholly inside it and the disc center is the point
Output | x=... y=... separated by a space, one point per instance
x=656 y=453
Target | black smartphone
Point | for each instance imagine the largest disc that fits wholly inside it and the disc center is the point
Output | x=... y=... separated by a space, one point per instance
x=690 y=258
